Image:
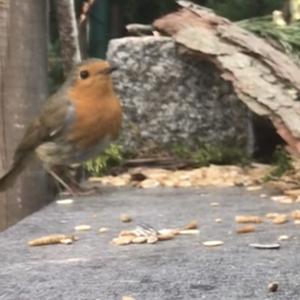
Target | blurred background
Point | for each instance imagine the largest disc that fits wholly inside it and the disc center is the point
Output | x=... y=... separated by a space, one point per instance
x=99 y=21
x=106 y=19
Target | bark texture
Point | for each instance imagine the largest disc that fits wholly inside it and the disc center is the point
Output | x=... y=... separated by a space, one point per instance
x=23 y=88
x=265 y=79
x=68 y=34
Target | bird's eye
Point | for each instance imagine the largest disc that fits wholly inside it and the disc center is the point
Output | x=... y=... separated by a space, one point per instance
x=84 y=74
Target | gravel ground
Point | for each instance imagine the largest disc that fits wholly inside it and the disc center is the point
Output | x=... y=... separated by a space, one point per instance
x=92 y=268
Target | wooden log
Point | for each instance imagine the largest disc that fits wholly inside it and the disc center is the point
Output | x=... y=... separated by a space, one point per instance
x=265 y=79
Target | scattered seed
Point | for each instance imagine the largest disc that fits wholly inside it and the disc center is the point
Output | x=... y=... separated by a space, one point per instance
x=273 y=287
x=149 y=183
x=281 y=219
x=297 y=222
x=103 y=229
x=152 y=239
x=248 y=219
x=82 y=227
x=191 y=225
x=218 y=220
x=66 y=241
x=65 y=201
x=117 y=181
x=51 y=239
x=262 y=195
x=294 y=192
x=265 y=246
x=212 y=243
x=169 y=232
x=127 y=298
x=278 y=197
x=145 y=230
x=128 y=233
x=166 y=236
x=295 y=214
x=183 y=183
x=213 y=175
x=286 y=201
x=214 y=204
x=283 y=238
x=95 y=179
x=122 y=240
x=168 y=183
x=272 y=215
x=190 y=231
x=253 y=188
x=282 y=199
x=246 y=229
x=139 y=240
x=125 y=218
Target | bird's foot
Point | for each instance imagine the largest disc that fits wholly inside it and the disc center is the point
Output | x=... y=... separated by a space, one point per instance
x=77 y=190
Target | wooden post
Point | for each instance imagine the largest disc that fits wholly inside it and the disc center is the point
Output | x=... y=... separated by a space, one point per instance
x=23 y=88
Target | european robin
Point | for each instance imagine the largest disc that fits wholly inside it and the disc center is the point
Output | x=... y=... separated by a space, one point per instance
x=74 y=125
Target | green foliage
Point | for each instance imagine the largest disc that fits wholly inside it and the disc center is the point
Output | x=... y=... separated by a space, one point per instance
x=112 y=156
x=287 y=37
x=222 y=155
x=282 y=163
x=243 y=9
x=206 y=154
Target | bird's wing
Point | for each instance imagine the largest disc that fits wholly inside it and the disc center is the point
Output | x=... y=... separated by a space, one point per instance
x=55 y=115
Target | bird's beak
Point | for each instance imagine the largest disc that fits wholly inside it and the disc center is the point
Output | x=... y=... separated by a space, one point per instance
x=113 y=68
x=109 y=70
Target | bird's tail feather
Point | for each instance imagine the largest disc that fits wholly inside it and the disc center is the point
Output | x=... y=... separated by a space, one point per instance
x=9 y=178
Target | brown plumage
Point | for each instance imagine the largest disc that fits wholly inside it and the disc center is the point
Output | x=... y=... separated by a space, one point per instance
x=75 y=124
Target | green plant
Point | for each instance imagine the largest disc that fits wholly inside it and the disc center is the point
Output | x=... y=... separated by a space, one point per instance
x=205 y=154
x=286 y=37
x=282 y=163
x=219 y=154
x=112 y=156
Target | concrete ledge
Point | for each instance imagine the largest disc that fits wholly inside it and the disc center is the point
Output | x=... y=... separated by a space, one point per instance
x=179 y=269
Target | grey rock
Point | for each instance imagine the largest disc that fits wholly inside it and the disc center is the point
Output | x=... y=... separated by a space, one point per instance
x=171 y=98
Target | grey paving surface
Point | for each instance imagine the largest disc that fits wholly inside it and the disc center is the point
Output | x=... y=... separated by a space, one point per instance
x=93 y=269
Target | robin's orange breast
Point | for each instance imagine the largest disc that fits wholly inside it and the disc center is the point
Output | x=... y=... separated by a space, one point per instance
x=96 y=122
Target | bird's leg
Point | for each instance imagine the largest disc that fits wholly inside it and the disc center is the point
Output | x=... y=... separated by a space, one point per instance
x=75 y=185
x=60 y=180
x=72 y=175
x=65 y=176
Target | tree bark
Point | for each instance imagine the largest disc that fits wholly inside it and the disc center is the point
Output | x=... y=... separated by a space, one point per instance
x=23 y=79
x=68 y=34
x=265 y=79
